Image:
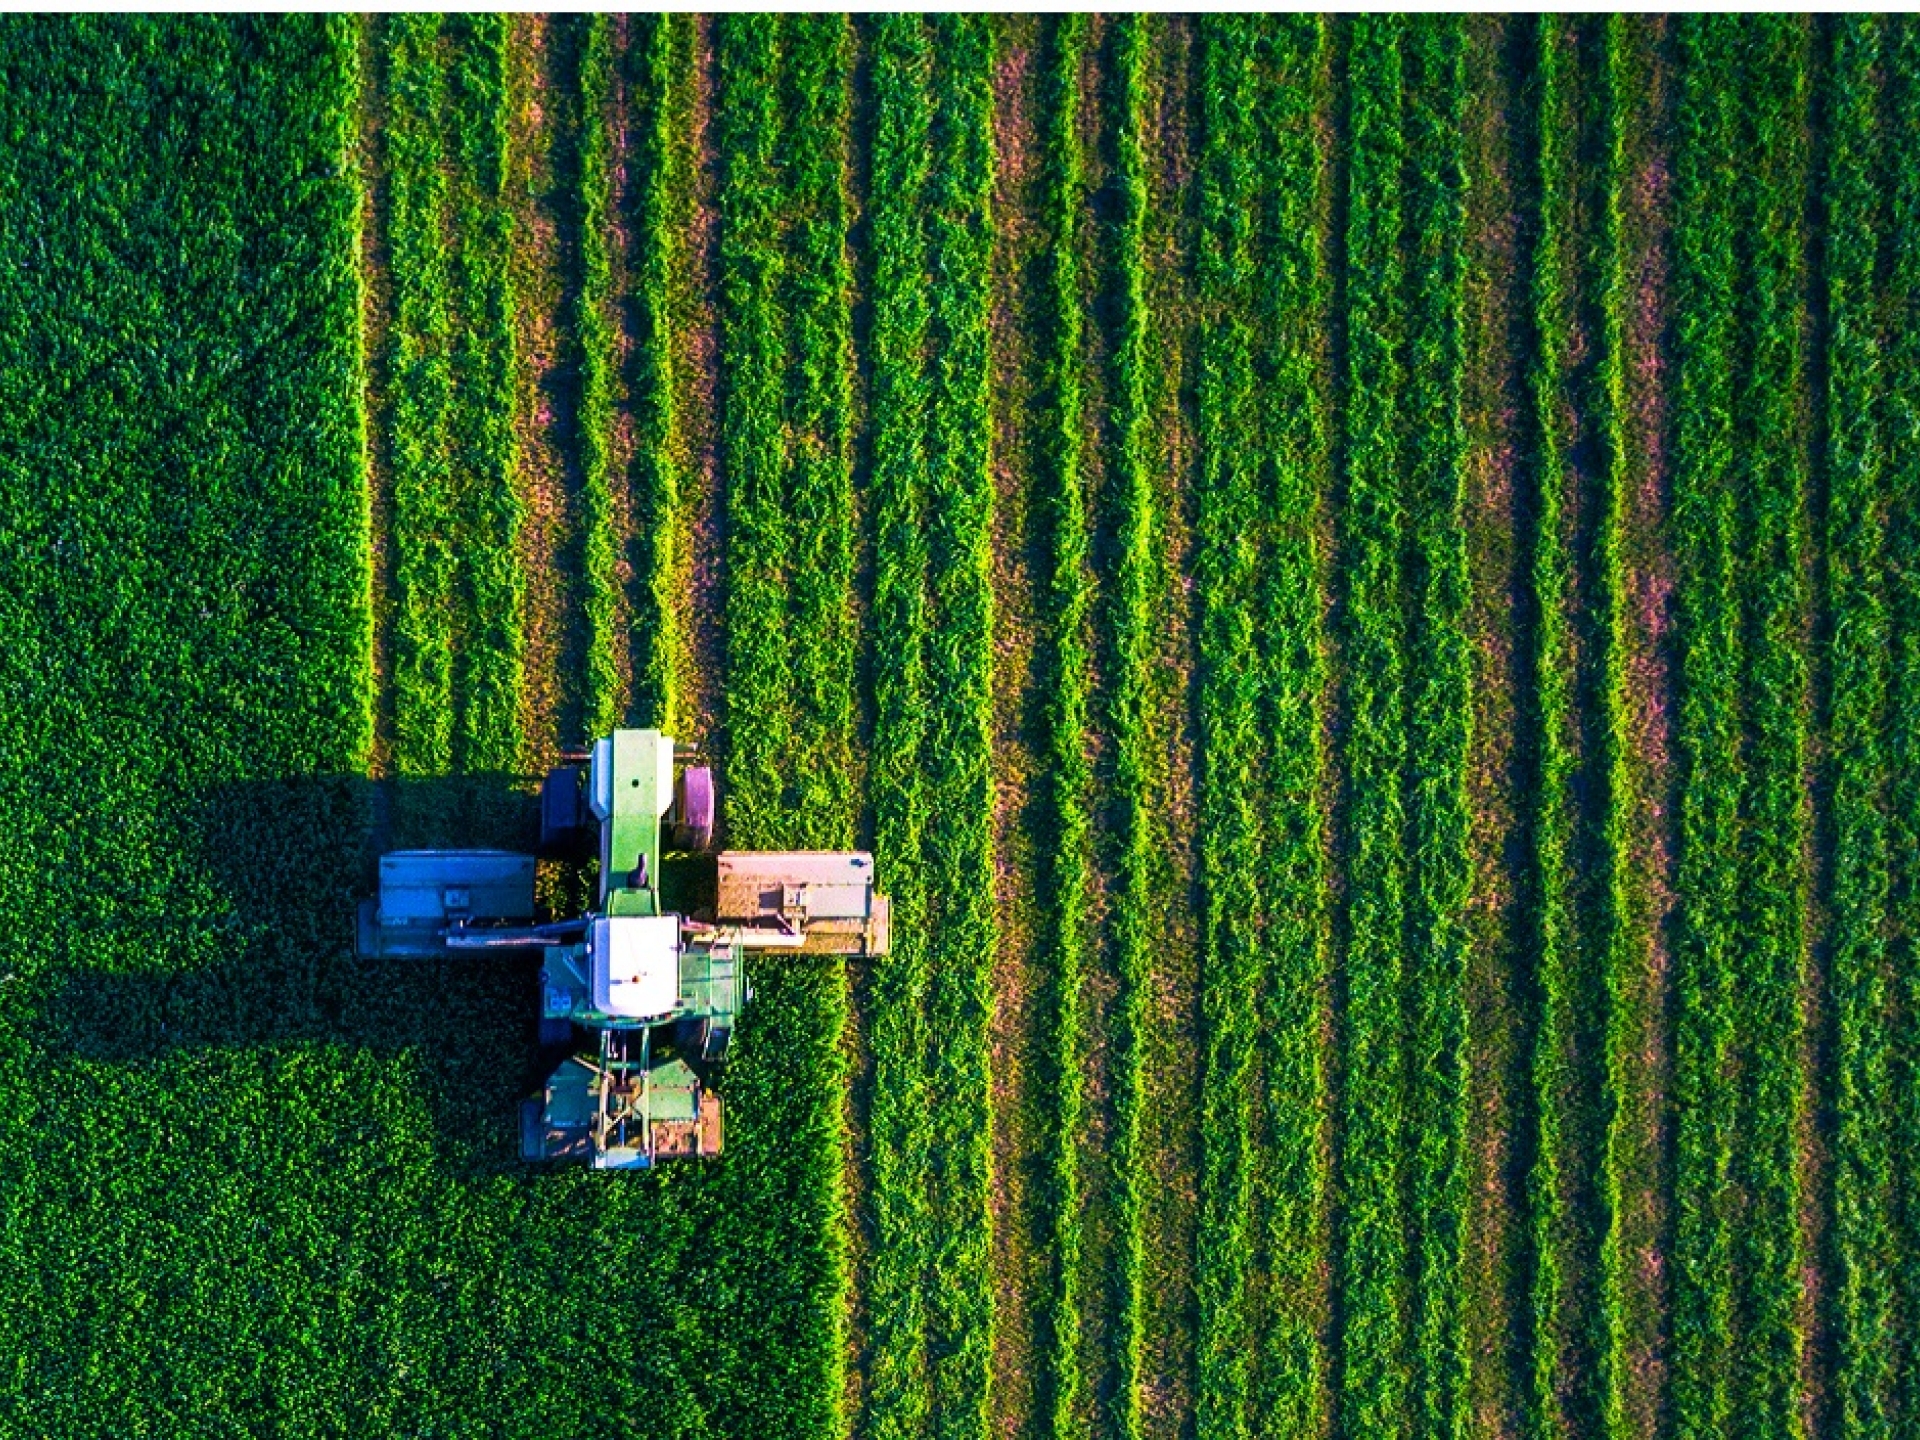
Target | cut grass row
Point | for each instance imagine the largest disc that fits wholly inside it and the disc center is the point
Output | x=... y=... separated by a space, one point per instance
x=1439 y=718
x=896 y=1389
x=959 y=668
x=1856 y=639
x=1372 y=1260
x=1227 y=511
x=1291 y=299
x=1132 y=623
x=1066 y=867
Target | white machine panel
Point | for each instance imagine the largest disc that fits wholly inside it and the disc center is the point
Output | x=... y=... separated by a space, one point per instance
x=635 y=964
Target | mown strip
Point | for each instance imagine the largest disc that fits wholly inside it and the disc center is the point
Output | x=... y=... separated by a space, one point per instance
x=1564 y=1306
x=959 y=660
x=659 y=214
x=1227 y=513
x=1289 y=1392
x=1128 y=719
x=1771 y=582
x=488 y=736
x=1372 y=1262
x=748 y=135
x=1626 y=1131
x=1901 y=419
x=896 y=1389
x=1857 y=639
x=1067 y=779
x=593 y=338
x=1708 y=728
x=1440 y=717
x=419 y=390
x=817 y=302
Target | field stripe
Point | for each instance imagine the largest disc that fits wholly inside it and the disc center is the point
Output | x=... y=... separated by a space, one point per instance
x=1289 y=1394
x=660 y=214
x=896 y=1386
x=1856 y=638
x=1372 y=1261
x=1227 y=511
x=1440 y=719
x=1708 y=729
x=1772 y=479
x=487 y=737
x=1067 y=857
x=816 y=301
x=960 y=849
x=419 y=389
x=1902 y=485
x=1133 y=624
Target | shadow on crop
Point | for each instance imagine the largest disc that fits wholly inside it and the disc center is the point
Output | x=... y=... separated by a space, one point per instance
x=287 y=862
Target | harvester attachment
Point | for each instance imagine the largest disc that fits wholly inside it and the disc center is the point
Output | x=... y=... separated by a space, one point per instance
x=426 y=895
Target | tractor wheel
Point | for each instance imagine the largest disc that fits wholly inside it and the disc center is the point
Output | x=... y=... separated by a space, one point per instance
x=555 y=1032
x=693 y=810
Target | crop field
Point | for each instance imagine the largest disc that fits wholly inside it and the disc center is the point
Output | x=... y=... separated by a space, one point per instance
x=1360 y=578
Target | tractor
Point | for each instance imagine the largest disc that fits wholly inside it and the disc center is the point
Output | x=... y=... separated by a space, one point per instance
x=640 y=999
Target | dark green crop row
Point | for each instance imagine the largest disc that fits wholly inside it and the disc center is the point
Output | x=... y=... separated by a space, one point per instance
x=1900 y=417
x=1371 y=1253
x=1289 y=1392
x=488 y=669
x=1439 y=720
x=1065 y=871
x=961 y=877
x=1226 y=515
x=895 y=1385
x=1857 y=639
x=1133 y=625
x=419 y=386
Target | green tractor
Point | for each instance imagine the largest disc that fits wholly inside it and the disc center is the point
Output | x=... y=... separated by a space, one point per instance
x=641 y=998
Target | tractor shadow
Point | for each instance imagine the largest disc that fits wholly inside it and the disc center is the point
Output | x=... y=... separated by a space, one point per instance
x=287 y=862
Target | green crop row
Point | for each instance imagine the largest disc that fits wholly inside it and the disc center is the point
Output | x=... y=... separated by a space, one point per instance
x=660 y=212
x=1439 y=718
x=488 y=671
x=895 y=1387
x=593 y=337
x=1900 y=417
x=419 y=395
x=1770 y=476
x=959 y=669
x=1066 y=869
x=1856 y=640
x=1289 y=1391
x=1371 y=1250
x=1226 y=515
x=1707 y=728
x=1133 y=625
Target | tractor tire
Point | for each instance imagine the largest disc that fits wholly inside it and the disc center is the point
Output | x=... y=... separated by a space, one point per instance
x=555 y=1032
x=566 y=824
x=692 y=813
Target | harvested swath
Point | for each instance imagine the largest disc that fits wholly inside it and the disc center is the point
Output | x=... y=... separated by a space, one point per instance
x=963 y=932
x=758 y=661
x=1371 y=1250
x=1289 y=1391
x=488 y=737
x=603 y=636
x=1133 y=624
x=1067 y=858
x=816 y=301
x=1900 y=410
x=658 y=213
x=1439 y=717
x=1771 y=584
x=419 y=390
x=1227 y=513
x=896 y=1389
x=1856 y=641
x=1708 y=728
